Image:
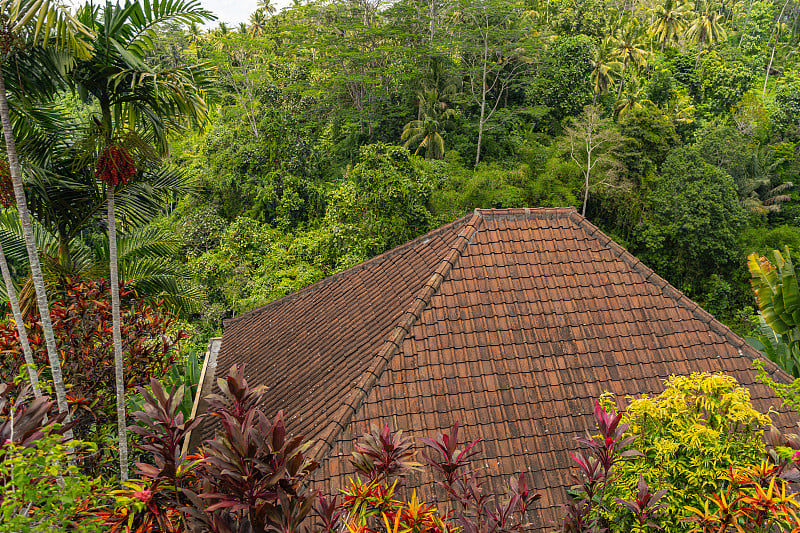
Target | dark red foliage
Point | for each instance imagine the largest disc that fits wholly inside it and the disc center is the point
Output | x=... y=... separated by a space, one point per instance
x=31 y=420
x=451 y=463
x=606 y=450
x=6 y=186
x=115 y=166
x=479 y=511
x=382 y=455
x=644 y=506
x=162 y=429
x=82 y=322
x=253 y=475
x=329 y=513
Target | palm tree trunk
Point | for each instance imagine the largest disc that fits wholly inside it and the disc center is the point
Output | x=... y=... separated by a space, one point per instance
x=33 y=255
x=23 y=335
x=119 y=377
x=744 y=27
x=697 y=61
x=777 y=35
x=622 y=80
x=769 y=67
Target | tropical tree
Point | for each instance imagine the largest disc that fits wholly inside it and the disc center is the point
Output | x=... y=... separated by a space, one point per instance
x=633 y=98
x=424 y=133
x=630 y=49
x=139 y=105
x=266 y=6
x=33 y=23
x=594 y=144
x=494 y=57
x=604 y=67
x=258 y=23
x=669 y=21
x=706 y=31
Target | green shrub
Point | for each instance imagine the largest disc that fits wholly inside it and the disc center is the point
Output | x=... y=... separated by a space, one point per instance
x=41 y=488
x=691 y=435
x=32 y=499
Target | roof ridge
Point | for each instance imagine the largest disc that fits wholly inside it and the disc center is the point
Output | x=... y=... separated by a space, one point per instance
x=516 y=213
x=360 y=266
x=680 y=298
x=344 y=415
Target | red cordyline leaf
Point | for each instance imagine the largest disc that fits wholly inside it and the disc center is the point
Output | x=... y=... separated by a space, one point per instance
x=115 y=166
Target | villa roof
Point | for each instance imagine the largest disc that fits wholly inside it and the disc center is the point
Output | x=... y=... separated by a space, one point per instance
x=510 y=321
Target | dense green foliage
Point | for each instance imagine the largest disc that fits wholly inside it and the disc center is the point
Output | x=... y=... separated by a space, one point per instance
x=319 y=136
x=307 y=166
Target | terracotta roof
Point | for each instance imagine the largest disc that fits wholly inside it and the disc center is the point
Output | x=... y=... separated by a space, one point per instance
x=511 y=321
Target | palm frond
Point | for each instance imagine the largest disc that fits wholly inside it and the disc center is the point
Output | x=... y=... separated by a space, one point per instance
x=158 y=277
x=140 y=201
x=13 y=240
x=138 y=244
x=47 y=22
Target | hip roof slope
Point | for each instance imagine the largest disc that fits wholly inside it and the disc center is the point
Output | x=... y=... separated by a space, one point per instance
x=511 y=321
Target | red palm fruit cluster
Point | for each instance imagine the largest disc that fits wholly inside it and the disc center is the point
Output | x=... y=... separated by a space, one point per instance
x=115 y=166
x=6 y=186
x=7 y=37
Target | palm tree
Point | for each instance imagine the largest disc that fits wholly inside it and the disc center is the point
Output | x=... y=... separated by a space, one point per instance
x=761 y=191
x=41 y=22
x=680 y=108
x=632 y=99
x=629 y=49
x=424 y=133
x=195 y=36
x=266 y=6
x=138 y=103
x=258 y=23
x=33 y=126
x=604 y=67
x=706 y=31
x=669 y=21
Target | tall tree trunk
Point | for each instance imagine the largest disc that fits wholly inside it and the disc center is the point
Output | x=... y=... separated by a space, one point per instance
x=769 y=67
x=33 y=255
x=587 y=176
x=621 y=80
x=697 y=61
x=119 y=377
x=744 y=28
x=777 y=35
x=483 y=98
x=23 y=335
x=480 y=139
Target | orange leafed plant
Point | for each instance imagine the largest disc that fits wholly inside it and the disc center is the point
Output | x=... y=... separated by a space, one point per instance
x=755 y=501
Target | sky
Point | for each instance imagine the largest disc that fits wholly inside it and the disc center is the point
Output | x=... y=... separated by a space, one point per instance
x=233 y=12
